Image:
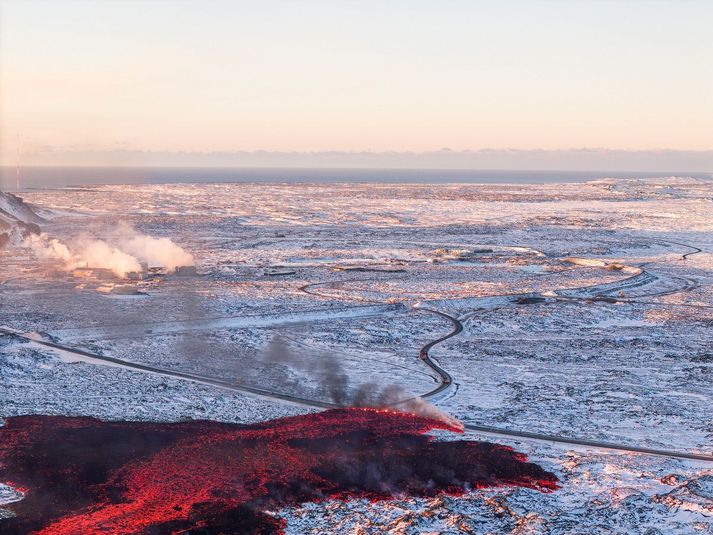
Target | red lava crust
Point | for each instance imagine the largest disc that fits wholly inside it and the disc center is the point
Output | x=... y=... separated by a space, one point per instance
x=82 y=475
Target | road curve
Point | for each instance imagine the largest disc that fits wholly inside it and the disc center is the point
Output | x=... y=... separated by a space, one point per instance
x=447 y=381
x=695 y=250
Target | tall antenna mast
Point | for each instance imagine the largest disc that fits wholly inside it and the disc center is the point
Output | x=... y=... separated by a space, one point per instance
x=17 y=168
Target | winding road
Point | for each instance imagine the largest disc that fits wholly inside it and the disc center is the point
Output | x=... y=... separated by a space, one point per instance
x=447 y=380
x=444 y=378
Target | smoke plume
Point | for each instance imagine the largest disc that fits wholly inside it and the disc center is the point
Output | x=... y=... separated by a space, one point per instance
x=327 y=370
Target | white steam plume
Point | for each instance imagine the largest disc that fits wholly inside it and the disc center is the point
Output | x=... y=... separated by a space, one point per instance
x=123 y=251
x=48 y=248
x=154 y=251
x=99 y=254
x=87 y=253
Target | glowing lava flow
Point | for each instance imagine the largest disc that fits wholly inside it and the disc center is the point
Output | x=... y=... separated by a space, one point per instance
x=82 y=475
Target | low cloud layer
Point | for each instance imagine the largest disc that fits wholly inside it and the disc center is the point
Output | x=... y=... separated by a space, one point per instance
x=585 y=159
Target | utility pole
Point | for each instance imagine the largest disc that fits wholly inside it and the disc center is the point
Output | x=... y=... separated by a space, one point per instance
x=17 y=168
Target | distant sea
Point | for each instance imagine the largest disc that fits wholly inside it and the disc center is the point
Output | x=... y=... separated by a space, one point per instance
x=60 y=177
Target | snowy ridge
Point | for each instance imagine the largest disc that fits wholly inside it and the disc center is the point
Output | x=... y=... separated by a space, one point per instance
x=17 y=219
x=13 y=209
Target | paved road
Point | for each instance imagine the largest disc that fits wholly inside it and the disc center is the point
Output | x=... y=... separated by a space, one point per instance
x=445 y=378
x=89 y=357
x=446 y=382
x=574 y=441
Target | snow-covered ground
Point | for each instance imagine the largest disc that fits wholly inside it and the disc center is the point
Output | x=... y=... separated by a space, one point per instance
x=581 y=318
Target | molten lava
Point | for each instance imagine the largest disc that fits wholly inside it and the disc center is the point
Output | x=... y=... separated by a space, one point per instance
x=82 y=475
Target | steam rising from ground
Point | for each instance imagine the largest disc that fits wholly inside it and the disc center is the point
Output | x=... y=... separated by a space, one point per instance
x=154 y=251
x=327 y=370
x=122 y=251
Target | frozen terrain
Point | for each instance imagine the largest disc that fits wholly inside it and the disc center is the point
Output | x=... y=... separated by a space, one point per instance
x=586 y=313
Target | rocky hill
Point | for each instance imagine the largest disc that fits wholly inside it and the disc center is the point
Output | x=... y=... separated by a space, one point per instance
x=17 y=218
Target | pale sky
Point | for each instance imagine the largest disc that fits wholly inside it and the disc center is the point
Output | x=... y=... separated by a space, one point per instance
x=351 y=76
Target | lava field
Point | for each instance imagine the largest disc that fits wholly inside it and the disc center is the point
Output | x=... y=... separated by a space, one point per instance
x=83 y=475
